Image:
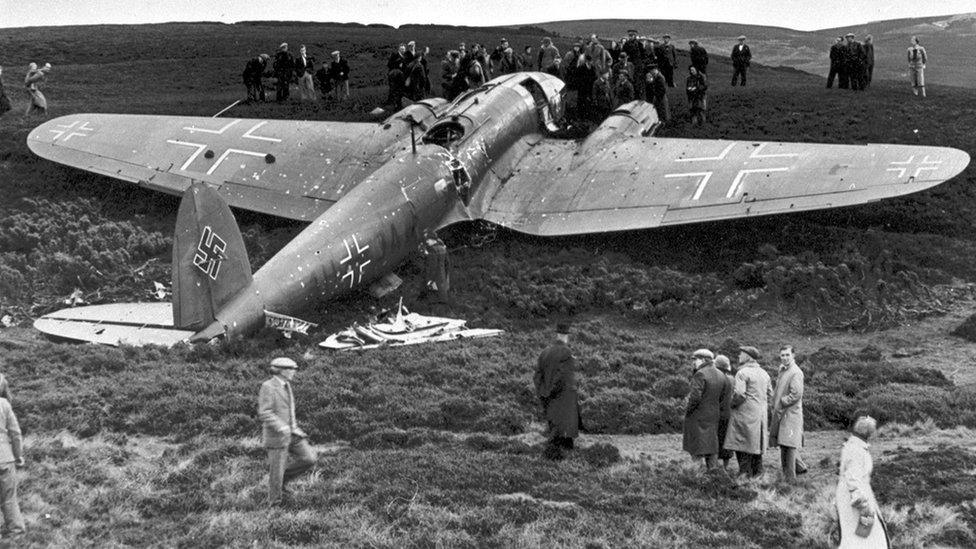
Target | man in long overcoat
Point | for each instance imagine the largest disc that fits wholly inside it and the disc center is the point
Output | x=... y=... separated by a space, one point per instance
x=868 y=48
x=786 y=428
x=725 y=366
x=284 y=71
x=854 y=61
x=748 y=433
x=555 y=385
x=699 y=56
x=705 y=402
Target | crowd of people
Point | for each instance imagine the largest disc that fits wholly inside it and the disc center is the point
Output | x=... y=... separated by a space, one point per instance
x=330 y=81
x=851 y=62
x=732 y=413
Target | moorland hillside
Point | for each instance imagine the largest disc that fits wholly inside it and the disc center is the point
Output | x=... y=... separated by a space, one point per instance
x=948 y=40
x=438 y=445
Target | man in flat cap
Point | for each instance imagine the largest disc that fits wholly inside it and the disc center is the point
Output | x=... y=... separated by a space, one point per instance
x=748 y=433
x=339 y=75
x=708 y=395
x=699 y=56
x=725 y=366
x=854 y=61
x=555 y=385
x=280 y=432
x=284 y=72
x=741 y=57
x=667 y=59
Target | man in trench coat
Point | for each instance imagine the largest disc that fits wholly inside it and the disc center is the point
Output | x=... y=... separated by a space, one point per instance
x=748 y=433
x=555 y=385
x=786 y=428
x=709 y=391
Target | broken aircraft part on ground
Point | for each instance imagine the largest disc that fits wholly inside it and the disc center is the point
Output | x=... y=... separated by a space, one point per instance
x=403 y=328
x=369 y=191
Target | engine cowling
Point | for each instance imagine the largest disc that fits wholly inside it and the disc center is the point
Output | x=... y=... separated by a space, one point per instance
x=628 y=121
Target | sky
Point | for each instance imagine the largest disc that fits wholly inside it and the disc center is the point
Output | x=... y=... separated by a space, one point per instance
x=796 y=14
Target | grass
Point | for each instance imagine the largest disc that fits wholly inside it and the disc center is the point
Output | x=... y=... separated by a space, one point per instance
x=155 y=446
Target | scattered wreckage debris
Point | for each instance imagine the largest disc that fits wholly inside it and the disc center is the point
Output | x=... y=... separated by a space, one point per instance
x=403 y=328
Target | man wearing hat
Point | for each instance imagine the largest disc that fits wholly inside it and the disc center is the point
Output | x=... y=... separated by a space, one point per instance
x=284 y=72
x=708 y=395
x=656 y=88
x=339 y=75
x=854 y=60
x=748 y=428
x=549 y=57
x=280 y=433
x=555 y=385
x=699 y=56
x=667 y=59
x=725 y=366
x=254 y=70
x=741 y=57
x=837 y=68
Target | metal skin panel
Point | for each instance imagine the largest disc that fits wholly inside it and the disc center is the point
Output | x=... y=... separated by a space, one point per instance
x=648 y=182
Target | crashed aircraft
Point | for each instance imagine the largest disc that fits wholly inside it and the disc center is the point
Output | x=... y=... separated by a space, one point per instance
x=369 y=191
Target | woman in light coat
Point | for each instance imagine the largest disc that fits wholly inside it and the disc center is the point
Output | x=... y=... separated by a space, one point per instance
x=861 y=525
x=916 y=66
x=38 y=103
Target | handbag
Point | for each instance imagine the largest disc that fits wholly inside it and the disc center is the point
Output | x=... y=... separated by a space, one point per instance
x=864 y=525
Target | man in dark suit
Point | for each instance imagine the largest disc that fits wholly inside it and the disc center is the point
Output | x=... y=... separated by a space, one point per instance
x=699 y=56
x=854 y=60
x=280 y=433
x=555 y=385
x=667 y=59
x=868 y=59
x=837 y=64
x=284 y=71
x=255 y=69
x=741 y=57
x=710 y=393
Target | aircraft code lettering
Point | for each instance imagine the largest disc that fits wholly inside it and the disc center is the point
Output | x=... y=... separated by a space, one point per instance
x=210 y=253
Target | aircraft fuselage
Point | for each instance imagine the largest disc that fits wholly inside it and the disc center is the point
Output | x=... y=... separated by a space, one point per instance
x=382 y=219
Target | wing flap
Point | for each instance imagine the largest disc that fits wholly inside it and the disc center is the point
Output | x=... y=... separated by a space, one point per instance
x=650 y=182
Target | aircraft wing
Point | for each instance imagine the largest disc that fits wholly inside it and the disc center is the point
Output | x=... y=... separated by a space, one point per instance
x=292 y=169
x=642 y=183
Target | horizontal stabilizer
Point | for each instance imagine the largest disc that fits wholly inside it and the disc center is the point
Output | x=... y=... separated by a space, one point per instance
x=115 y=324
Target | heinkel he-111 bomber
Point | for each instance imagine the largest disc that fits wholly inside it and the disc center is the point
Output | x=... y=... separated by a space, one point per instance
x=370 y=191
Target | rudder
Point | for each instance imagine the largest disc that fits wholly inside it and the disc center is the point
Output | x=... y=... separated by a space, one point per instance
x=210 y=263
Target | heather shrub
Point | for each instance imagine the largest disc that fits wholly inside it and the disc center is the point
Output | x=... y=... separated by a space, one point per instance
x=903 y=403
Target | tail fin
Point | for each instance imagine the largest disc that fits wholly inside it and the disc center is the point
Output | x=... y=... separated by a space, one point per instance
x=210 y=262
